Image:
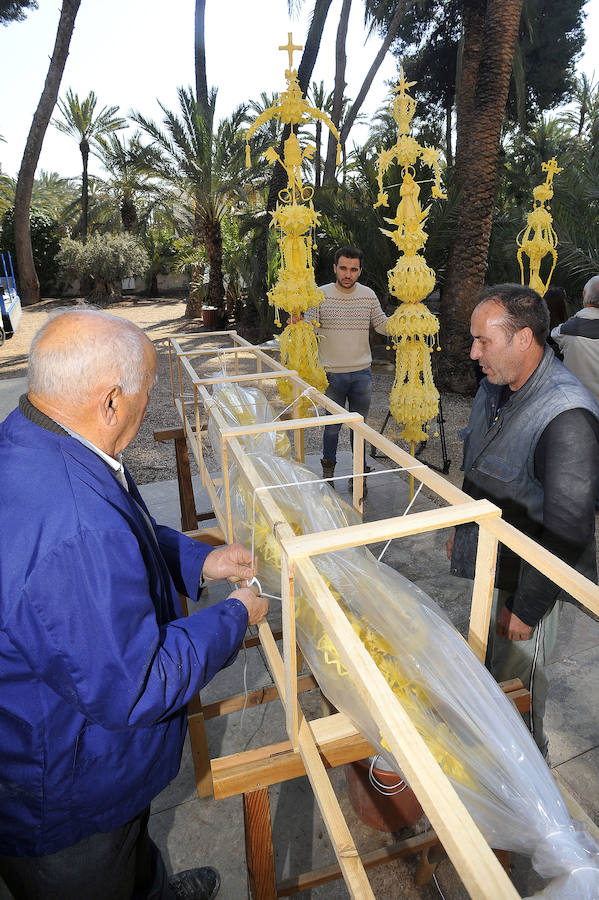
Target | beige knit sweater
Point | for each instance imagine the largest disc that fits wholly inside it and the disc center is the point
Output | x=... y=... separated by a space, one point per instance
x=345 y=320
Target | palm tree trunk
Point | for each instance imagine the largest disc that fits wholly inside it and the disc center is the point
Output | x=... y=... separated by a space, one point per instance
x=479 y=175
x=340 y=61
x=84 y=147
x=213 y=239
x=448 y=138
x=318 y=154
x=389 y=38
x=200 y=57
x=473 y=25
x=29 y=287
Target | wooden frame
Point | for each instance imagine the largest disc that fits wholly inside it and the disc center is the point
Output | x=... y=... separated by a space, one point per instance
x=472 y=857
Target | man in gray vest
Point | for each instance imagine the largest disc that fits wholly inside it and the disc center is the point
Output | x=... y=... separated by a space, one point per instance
x=532 y=447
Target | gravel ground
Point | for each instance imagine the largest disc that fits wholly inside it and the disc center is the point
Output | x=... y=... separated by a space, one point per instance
x=163 y=318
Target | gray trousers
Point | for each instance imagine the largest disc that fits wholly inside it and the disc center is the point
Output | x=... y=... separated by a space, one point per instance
x=525 y=660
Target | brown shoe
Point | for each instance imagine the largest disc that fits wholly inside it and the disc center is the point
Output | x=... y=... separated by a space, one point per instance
x=328 y=468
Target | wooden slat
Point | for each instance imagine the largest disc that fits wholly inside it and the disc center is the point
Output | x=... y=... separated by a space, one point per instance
x=253 y=698
x=408 y=847
x=341 y=839
x=398 y=526
x=482 y=593
x=337 y=740
x=259 y=852
x=289 y=654
x=345 y=418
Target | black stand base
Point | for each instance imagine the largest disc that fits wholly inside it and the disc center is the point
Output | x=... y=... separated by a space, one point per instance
x=446 y=462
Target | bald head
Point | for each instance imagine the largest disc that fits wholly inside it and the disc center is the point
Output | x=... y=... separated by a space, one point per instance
x=93 y=373
x=590 y=292
x=79 y=349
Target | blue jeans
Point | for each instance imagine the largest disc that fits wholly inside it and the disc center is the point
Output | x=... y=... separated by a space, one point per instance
x=356 y=389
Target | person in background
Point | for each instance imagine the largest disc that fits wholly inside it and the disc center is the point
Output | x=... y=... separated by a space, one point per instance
x=98 y=661
x=578 y=338
x=345 y=317
x=555 y=298
x=531 y=446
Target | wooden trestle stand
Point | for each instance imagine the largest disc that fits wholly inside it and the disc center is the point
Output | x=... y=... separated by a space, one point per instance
x=314 y=746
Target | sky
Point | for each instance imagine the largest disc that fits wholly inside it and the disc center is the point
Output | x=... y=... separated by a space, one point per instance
x=130 y=54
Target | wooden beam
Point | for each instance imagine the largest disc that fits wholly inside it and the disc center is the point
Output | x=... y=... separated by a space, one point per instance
x=343 y=844
x=482 y=593
x=253 y=698
x=259 y=851
x=398 y=526
x=337 y=740
x=408 y=847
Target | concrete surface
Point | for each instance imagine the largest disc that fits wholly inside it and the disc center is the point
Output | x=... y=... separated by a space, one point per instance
x=192 y=832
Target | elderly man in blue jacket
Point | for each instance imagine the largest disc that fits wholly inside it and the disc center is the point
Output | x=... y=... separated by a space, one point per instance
x=97 y=662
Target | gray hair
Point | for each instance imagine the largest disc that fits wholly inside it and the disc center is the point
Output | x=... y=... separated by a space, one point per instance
x=74 y=368
x=590 y=292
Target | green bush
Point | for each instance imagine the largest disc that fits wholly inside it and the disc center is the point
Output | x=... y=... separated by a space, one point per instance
x=46 y=233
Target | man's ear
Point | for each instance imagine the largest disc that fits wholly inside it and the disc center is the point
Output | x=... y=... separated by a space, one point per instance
x=525 y=338
x=110 y=405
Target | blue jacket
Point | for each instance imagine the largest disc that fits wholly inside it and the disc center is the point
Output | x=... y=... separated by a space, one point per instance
x=96 y=662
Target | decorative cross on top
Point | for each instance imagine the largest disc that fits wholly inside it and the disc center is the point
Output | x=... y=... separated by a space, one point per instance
x=552 y=168
x=290 y=47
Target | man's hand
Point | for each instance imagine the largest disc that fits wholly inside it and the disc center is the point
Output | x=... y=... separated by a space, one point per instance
x=232 y=561
x=512 y=628
x=256 y=604
x=449 y=545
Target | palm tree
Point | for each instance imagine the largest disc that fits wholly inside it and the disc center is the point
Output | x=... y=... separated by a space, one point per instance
x=130 y=167
x=321 y=100
x=81 y=122
x=206 y=165
x=477 y=159
x=29 y=286
x=52 y=194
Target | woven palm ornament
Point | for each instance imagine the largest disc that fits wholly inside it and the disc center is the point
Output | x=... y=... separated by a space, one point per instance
x=538 y=239
x=414 y=399
x=295 y=220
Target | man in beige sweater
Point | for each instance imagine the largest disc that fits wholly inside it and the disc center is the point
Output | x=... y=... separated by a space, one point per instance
x=345 y=317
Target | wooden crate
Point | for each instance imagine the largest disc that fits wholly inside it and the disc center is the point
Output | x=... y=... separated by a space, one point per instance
x=472 y=857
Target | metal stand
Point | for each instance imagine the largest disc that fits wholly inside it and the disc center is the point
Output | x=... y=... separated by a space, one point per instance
x=441 y=429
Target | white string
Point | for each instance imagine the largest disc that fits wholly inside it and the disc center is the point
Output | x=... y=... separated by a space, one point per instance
x=387 y=790
x=245 y=686
x=438 y=886
x=407 y=510
x=271 y=487
x=305 y=393
x=262 y=593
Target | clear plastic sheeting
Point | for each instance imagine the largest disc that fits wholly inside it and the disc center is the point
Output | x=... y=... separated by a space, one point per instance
x=474 y=732
x=246 y=406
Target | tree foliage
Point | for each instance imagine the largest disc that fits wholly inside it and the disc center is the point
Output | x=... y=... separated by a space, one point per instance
x=46 y=234
x=15 y=10
x=105 y=258
x=81 y=121
x=430 y=46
